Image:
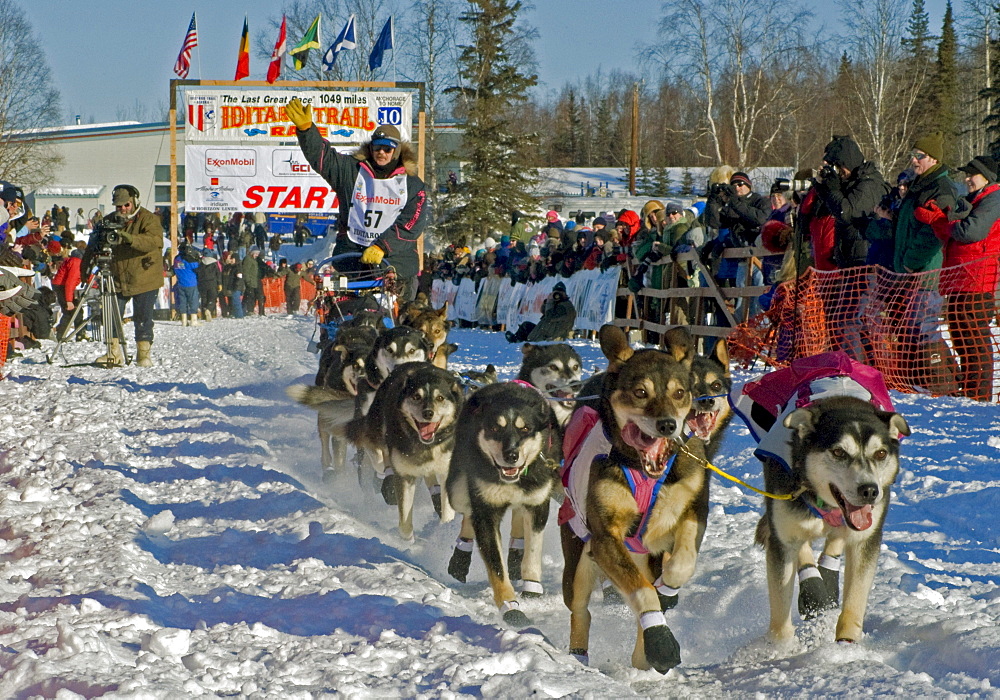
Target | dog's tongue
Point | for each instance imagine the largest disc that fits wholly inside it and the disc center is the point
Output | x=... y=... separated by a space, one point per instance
x=427 y=430
x=639 y=440
x=860 y=516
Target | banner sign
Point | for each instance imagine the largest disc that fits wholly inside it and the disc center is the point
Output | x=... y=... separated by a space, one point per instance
x=253 y=178
x=259 y=115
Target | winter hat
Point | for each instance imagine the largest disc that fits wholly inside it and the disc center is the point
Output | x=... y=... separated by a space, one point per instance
x=570 y=225
x=552 y=215
x=932 y=144
x=774 y=235
x=208 y=259
x=386 y=135
x=674 y=208
x=600 y=221
x=740 y=177
x=534 y=251
x=982 y=165
x=505 y=240
x=560 y=287
x=781 y=186
x=489 y=243
x=253 y=249
x=843 y=150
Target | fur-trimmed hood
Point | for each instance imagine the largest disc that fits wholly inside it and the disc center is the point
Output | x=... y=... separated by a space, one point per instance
x=406 y=156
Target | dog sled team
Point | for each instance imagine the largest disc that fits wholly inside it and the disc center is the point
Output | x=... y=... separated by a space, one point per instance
x=626 y=453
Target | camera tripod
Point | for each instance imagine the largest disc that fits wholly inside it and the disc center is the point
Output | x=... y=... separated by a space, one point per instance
x=111 y=323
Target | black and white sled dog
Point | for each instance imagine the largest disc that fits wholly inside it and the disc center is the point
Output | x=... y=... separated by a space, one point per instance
x=835 y=448
x=337 y=406
x=412 y=422
x=555 y=370
x=506 y=457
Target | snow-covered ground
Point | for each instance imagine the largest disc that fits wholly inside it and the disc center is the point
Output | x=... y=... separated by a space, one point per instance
x=166 y=533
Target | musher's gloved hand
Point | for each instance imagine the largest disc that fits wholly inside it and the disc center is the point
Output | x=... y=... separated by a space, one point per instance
x=299 y=114
x=372 y=255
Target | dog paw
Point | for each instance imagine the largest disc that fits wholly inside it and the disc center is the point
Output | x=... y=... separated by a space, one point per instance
x=458 y=566
x=662 y=650
x=514 y=559
x=390 y=489
x=814 y=597
x=667 y=602
x=516 y=618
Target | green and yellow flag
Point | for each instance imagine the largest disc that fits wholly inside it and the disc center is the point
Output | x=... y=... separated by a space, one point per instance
x=310 y=41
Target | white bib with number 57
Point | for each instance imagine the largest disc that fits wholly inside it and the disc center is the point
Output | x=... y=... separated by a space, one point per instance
x=375 y=204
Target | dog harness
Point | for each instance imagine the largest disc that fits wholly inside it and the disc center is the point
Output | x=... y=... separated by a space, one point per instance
x=587 y=440
x=801 y=384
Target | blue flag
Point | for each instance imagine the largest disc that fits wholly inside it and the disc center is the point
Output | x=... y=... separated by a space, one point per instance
x=382 y=44
x=343 y=42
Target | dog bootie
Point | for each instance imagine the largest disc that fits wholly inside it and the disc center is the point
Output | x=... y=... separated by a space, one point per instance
x=814 y=597
x=612 y=596
x=666 y=594
x=461 y=560
x=390 y=488
x=829 y=569
x=512 y=615
x=436 y=499
x=662 y=650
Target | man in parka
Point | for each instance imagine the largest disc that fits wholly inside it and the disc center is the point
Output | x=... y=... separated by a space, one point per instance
x=383 y=204
x=137 y=269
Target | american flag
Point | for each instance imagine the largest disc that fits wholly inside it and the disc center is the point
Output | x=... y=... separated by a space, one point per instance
x=183 y=64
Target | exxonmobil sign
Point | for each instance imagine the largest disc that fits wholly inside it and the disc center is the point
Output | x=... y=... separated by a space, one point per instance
x=253 y=178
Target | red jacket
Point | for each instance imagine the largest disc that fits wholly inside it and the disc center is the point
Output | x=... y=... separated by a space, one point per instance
x=821 y=232
x=978 y=258
x=68 y=276
x=632 y=219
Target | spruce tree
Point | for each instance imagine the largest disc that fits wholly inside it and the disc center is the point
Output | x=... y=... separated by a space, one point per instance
x=687 y=182
x=992 y=97
x=497 y=180
x=662 y=183
x=945 y=95
x=919 y=41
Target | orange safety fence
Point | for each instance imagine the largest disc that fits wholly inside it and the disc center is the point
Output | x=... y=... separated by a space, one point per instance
x=930 y=332
x=274 y=292
x=4 y=337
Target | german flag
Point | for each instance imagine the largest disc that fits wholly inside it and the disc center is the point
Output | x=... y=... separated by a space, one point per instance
x=243 y=58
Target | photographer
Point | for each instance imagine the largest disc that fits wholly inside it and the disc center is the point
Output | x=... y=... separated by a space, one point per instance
x=136 y=265
x=851 y=188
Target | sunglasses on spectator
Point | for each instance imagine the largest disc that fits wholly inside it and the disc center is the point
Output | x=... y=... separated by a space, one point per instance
x=383 y=149
x=917 y=155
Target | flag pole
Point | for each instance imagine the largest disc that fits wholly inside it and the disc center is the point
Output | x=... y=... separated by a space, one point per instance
x=200 y=76
x=392 y=40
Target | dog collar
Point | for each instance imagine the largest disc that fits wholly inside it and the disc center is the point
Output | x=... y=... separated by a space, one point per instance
x=834 y=517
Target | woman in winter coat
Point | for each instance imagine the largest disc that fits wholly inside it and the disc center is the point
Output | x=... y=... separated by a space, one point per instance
x=209 y=275
x=969 y=275
x=233 y=286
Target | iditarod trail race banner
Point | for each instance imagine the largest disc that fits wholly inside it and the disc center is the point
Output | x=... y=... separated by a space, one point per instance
x=258 y=116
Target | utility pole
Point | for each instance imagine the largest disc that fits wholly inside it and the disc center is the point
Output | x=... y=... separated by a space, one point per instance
x=633 y=160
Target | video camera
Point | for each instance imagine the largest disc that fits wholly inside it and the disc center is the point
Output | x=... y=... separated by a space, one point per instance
x=107 y=235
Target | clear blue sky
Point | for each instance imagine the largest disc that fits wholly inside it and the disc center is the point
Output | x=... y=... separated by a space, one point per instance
x=105 y=55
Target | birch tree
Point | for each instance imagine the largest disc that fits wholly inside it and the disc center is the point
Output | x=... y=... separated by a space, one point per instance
x=28 y=101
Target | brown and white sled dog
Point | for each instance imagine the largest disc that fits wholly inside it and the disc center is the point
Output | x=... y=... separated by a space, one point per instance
x=435 y=325
x=710 y=412
x=412 y=422
x=844 y=458
x=506 y=456
x=643 y=514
